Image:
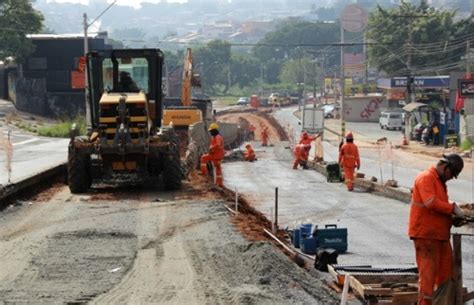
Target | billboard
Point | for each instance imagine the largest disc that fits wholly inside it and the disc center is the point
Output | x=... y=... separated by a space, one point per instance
x=364 y=109
x=466 y=88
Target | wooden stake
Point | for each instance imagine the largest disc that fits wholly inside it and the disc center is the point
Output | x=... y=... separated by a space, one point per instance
x=276 y=212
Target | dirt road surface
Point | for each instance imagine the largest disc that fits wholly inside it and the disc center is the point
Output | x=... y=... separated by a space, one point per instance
x=132 y=245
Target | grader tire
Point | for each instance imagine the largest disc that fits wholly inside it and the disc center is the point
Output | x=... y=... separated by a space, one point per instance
x=172 y=172
x=79 y=173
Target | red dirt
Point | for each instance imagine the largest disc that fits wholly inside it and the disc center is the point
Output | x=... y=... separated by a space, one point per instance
x=49 y=193
x=258 y=119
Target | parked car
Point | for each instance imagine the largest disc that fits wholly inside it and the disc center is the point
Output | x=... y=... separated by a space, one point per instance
x=243 y=101
x=329 y=110
x=390 y=120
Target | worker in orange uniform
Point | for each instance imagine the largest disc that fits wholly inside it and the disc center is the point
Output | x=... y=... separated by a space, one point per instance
x=349 y=160
x=264 y=135
x=307 y=139
x=431 y=218
x=215 y=155
x=251 y=132
x=301 y=153
x=249 y=154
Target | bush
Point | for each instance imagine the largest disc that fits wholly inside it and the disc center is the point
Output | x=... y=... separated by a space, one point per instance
x=466 y=144
x=63 y=129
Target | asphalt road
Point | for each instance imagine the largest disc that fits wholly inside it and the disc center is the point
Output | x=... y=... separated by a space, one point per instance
x=376 y=225
x=31 y=155
x=405 y=165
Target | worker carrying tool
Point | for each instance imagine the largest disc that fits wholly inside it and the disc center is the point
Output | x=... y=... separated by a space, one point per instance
x=264 y=135
x=249 y=153
x=431 y=218
x=301 y=153
x=306 y=139
x=215 y=155
x=349 y=160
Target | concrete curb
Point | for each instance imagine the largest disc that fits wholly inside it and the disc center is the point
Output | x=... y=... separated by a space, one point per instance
x=398 y=193
x=15 y=188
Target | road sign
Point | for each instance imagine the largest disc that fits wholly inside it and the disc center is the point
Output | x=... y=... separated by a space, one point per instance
x=466 y=88
x=354 y=18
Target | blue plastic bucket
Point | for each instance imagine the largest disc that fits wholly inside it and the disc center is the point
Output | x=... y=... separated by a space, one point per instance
x=305 y=232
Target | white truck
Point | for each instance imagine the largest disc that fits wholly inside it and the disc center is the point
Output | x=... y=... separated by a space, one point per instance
x=313 y=120
x=391 y=120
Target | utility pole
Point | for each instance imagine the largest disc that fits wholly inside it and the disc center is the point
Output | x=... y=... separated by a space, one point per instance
x=409 y=59
x=366 y=72
x=468 y=58
x=86 y=26
x=343 y=81
x=86 y=50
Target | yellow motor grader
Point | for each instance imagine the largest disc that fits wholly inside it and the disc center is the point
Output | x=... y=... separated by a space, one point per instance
x=125 y=135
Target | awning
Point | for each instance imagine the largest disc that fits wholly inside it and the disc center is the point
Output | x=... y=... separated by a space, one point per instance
x=414 y=106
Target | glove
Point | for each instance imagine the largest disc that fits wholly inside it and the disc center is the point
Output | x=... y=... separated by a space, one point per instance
x=458 y=212
x=459 y=222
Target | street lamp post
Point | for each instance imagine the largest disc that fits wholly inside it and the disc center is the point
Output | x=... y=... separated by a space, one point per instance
x=86 y=26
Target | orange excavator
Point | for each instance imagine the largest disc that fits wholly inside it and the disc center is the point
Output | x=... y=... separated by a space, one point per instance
x=186 y=114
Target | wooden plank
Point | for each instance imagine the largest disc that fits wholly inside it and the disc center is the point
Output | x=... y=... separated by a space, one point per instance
x=405 y=298
x=468 y=296
x=357 y=286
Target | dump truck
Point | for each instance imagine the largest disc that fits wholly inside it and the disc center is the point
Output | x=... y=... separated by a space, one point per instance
x=125 y=136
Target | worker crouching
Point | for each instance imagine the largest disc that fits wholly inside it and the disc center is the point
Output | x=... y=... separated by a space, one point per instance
x=249 y=153
x=349 y=160
x=215 y=155
x=431 y=218
x=301 y=153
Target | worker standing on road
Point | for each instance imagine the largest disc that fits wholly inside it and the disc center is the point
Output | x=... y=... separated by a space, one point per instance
x=431 y=218
x=301 y=153
x=215 y=155
x=251 y=133
x=249 y=154
x=264 y=135
x=349 y=160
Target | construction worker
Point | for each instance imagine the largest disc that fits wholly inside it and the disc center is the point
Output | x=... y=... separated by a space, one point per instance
x=264 y=135
x=301 y=153
x=251 y=132
x=215 y=155
x=431 y=218
x=249 y=154
x=349 y=160
x=307 y=139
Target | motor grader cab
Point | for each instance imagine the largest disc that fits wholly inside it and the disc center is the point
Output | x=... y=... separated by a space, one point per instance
x=125 y=137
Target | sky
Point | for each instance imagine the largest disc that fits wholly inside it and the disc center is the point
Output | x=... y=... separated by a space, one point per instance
x=134 y=3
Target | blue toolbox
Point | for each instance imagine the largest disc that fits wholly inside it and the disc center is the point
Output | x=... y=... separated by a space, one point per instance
x=331 y=237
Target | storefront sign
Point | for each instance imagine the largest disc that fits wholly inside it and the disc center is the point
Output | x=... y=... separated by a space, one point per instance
x=442 y=118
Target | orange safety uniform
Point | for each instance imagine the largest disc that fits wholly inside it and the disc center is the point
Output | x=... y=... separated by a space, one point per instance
x=307 y=139
x=264 y=135
x=301 y=153
x=349 y=159
x=215 y=155
x=429 y=226
x=251 y=131
x=249 y=154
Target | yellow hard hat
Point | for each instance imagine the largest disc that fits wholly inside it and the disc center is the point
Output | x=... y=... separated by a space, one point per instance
x=213 y=126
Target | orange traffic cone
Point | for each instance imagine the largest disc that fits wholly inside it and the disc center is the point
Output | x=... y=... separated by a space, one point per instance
x=405 y=141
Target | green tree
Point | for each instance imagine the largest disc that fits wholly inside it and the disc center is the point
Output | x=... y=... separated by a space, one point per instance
x=300 y=71
x=17 y=20
x=245 y=70
x=430 y=37
x=214 y=60
x=295 y=39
